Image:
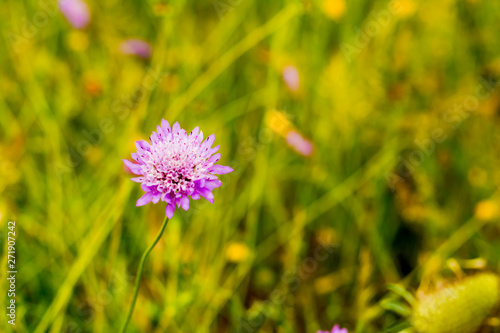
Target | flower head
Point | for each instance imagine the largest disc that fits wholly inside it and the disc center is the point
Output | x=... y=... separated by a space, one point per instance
x=136 y=47
x=76 y=12
x=336 y=329
x=176 y=166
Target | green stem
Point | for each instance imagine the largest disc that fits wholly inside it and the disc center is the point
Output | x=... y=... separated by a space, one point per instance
x=139 y=274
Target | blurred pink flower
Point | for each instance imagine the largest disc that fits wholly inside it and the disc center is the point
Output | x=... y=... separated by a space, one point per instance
x=336 y=329
x=76 y=12
x=136 y=47
x=291 y=77
x=297 y=142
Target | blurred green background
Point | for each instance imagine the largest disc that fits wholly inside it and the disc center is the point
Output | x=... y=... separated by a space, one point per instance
x=399 y=100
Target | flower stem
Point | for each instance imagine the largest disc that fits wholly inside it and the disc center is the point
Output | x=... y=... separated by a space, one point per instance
x=139 y=274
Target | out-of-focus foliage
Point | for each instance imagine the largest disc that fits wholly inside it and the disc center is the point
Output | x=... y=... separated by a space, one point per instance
x=393 y=172
x=458 y=308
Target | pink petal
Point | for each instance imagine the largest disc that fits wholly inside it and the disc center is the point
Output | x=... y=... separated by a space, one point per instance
x=135 y=168
x=156 y=197
x=138 y=179
x=207 y=194
x=145 y=199
x=154 y=138
x=144 y=145
x=135 y=157
x=215 y=158
x=210 y=152
x=209 y=141
x=169 y=210
x=185 y=203
x=212 y=184
x=165 y=126
x=220 y=169
x=176 y=128
x=160 y=132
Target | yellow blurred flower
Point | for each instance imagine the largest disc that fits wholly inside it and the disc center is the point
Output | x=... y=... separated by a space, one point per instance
x=487 y=210
x=237 y=252
x=326 y=284
x=334 y=9
x=95 y=155
x=92 y=84
x=489 y=107
x=278 y=122
x=326 y=236
x=405 y=8
x=160 y=9
x=77 y=40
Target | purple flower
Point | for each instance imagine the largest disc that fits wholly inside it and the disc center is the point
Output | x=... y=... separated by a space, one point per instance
x=76 y=12
x=297 y=142
x=136 y=47
x=291 y=77
x=336 y=329
x=176 y=166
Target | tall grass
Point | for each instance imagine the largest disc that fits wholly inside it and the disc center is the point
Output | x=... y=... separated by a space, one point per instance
x=71 y=107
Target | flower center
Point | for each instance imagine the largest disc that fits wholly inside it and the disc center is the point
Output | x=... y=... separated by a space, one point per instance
x=175 y=168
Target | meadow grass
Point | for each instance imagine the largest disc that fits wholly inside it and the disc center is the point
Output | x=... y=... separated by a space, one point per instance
x=72 y=106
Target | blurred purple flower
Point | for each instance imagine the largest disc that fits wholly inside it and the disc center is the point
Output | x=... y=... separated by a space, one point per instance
x=291 y=77
x=76 y=12
x=136 y=47
x=176 y=166
x=336 y=329
x=297 y=142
